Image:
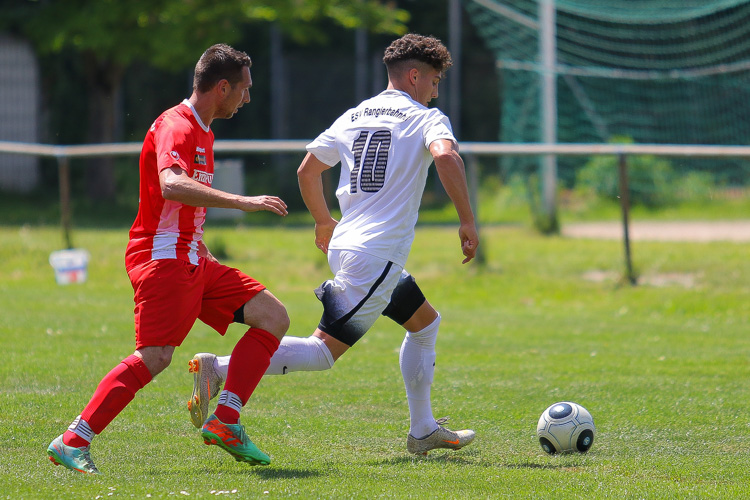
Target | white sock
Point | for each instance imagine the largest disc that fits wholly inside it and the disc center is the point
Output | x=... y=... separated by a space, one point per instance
x=417 y=361
x=295 y=354
x=300 y=354
x=221 y=366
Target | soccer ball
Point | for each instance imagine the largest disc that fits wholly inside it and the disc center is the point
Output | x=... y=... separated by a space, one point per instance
x=565 y=427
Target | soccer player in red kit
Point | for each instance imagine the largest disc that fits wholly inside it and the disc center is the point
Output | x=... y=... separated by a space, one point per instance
x=175 y=278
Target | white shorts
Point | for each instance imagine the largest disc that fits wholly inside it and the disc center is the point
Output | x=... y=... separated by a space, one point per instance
x=357 y=295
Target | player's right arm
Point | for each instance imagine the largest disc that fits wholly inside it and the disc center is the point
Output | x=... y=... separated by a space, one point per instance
x=450 y=168
x=311 y=187
x=177 y=186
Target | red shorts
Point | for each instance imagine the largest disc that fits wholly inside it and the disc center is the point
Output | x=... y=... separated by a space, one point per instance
x=170 y=294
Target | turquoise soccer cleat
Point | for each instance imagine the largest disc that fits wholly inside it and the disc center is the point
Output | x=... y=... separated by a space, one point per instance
x=233 y=439
x=77 y=459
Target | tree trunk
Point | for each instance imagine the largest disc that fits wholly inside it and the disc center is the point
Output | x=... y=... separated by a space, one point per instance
x=104 y=80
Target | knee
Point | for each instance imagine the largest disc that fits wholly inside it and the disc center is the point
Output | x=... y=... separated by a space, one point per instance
x=161 y=362
x=423 y=318
x=275 y=322
x=282 y=323
x=426 y=335
x=156 y=359
x=266 y=312
x=165 y=359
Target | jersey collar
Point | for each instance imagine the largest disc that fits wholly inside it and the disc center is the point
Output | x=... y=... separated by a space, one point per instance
x=195 y=114
x=395 y=92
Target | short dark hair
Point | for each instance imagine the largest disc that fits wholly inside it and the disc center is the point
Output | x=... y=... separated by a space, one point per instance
x=412 y=47
x=219 y=62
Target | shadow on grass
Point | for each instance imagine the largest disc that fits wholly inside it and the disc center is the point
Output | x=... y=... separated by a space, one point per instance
x=474 y=459
x=447 y=458
x=529 y=465
x=263 y=472
x=281 y=473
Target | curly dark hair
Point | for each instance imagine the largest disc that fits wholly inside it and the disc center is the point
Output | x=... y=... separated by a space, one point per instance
x=413 y=47
x=217 y=63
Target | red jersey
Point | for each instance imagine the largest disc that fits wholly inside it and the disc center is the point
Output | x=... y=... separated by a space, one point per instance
x=166 y=229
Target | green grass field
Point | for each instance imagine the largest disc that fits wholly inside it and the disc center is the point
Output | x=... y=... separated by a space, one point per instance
x=663 y=370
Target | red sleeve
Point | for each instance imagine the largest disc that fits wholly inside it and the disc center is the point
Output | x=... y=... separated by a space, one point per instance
x=173 y=143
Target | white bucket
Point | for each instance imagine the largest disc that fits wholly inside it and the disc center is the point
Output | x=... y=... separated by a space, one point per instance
x=70 y=265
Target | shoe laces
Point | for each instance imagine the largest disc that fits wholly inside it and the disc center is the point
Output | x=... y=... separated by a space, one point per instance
x=240 y=432
x=442 y=420
x=86 y=456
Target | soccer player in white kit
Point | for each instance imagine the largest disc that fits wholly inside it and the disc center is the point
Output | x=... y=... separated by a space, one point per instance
x=385 y=146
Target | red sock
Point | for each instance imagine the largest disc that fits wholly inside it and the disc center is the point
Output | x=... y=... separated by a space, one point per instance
x=113 y=394
x=250 y=359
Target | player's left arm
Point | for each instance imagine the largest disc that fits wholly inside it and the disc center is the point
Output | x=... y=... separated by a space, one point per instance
x=450 y=168
x=309 y=175
x=176 y=185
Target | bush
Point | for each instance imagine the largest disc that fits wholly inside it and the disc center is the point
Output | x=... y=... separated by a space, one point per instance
x=650 y=178
x=695 y=186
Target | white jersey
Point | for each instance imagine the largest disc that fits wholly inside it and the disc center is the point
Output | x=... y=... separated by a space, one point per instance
x=383 y=146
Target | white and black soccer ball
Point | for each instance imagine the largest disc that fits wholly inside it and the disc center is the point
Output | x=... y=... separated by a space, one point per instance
x=566 y=427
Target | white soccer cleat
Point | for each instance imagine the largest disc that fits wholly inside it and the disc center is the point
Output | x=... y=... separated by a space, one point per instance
x=206 y=386
x=440 y=438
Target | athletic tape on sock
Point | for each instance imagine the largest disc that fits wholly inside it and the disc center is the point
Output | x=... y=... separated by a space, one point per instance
x=81 y=428
x=230 y=400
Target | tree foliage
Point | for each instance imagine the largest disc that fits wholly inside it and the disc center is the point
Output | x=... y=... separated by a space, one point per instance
x=110 y=35
x=169 y=33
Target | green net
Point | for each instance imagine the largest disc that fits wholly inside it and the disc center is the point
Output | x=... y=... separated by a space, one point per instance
x=655 y=71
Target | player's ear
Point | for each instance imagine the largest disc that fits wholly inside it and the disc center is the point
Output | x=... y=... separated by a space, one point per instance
x=223 y=87
x=413 y=73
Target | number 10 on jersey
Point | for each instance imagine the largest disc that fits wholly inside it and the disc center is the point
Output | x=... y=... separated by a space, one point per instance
x=373 y=163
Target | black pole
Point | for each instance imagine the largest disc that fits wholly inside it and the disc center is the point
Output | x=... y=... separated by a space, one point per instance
x=472 y=177
x=63 y=168
x=625 y=205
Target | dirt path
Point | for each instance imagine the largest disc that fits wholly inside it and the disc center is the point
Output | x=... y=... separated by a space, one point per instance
x=738 y=230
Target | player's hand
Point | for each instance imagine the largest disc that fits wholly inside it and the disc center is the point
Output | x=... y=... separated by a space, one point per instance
x=469 y=241
x=268 y=203
x=203 y=252
x=324 y=233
